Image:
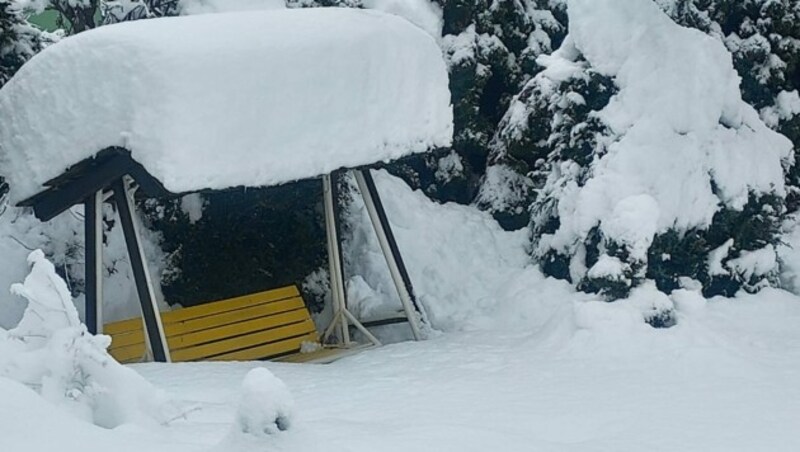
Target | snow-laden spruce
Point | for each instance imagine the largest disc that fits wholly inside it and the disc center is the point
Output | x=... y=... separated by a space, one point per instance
x=222 y=100
x=51 y=351
x=639 y=132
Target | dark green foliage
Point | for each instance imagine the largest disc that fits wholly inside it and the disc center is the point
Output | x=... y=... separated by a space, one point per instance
x=246 y=241
x=556 y=265
x=483 y=84
x=481 y=88
x=3 y=193
x=619 y=286
x=610 y=288
x=424 y=172
x=541 y=144
x=662 y=319
x=574 y=136
x=75 y=17
x=323 y=3
x=533 y=147
x=675 y=255
x=19 y=41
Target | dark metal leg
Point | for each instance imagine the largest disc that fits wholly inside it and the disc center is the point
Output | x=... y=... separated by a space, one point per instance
x=387 y=228
x=152 y=319
x=92 y=271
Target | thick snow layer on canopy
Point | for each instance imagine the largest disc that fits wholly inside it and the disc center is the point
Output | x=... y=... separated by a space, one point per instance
x=682 y=141
x=221 y=100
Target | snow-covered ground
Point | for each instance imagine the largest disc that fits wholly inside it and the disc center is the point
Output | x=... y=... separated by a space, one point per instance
x=515 y=361
x=525 y=364
x=724 y=379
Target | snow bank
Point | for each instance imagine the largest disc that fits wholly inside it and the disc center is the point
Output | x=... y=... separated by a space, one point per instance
x=468 y=273
x=682 y=141
x=51 y=351
x=29 y=423
x=222 y=100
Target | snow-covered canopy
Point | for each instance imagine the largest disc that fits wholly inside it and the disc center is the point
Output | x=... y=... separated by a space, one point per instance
x=222 y=100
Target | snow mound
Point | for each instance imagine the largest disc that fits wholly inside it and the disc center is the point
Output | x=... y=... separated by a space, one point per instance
x=221 y=100
x=266 y=406
x=468 y=273
x=51 y=351
x=682 y=142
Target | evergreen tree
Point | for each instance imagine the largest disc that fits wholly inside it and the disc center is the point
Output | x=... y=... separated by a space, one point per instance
x=550 y=136
x=19 y=40
x=490 y=47
x=75 y=16
x=127 y=10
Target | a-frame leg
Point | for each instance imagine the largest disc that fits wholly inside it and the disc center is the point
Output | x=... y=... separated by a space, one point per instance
x=397 y=268
x=144 y=287
x=93 y=233
x=342 y=317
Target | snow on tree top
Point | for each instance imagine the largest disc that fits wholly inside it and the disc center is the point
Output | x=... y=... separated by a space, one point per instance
x=682 y=142
x=222 y=100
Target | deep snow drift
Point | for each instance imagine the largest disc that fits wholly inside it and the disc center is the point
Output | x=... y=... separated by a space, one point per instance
x=467 y=272
x=593 y=378
x=253 y=99
x=51 y=352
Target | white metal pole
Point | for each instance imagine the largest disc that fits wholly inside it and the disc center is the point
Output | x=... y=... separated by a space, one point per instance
x=98 y=256
x=148 y=280
x=405 y=298
x=337 y=284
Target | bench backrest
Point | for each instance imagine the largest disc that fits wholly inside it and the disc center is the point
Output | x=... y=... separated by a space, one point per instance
x=257 y=326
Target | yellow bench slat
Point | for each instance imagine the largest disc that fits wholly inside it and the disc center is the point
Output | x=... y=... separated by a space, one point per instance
x=230 y=304
x=129 y=354
x=207 y=309
x=256 y=326
x=238 y=329
x=123 y=326
x=234 y=317
x=237 y=317
x=267 y=350
x=247 y=341
x=126 y=339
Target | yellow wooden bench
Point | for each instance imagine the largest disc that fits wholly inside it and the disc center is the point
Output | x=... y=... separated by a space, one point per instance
x=265 y=325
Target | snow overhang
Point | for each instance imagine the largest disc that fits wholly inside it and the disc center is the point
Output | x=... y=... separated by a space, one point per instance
x=225 y=100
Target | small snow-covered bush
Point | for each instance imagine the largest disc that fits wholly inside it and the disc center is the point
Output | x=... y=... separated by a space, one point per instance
x=51 y=351
x=265 y=405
